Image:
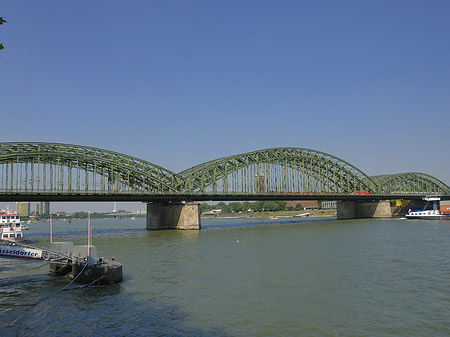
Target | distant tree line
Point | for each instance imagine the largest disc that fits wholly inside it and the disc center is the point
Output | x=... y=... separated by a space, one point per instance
x=244 y=207
x=84 y=215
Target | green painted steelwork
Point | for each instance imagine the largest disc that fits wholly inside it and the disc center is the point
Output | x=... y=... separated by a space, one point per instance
x=278 y=170
x=410 y=182
x=61 y=171
x=63 y=168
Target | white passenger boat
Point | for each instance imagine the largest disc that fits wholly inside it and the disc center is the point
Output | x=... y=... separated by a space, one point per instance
x=433 y=214
x=430 y=215
x=10 y=226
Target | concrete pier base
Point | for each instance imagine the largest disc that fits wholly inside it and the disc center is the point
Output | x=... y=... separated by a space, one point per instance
x=355 y=209
x=173 y=216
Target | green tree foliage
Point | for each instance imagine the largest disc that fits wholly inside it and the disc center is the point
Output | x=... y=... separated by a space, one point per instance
x=84 y=215
x=204 y=207
x=236 y=207
x=2 y=21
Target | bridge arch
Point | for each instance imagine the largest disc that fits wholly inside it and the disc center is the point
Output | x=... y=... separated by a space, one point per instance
x=410 y=182
x=278 y=170
x=54 y=169
x=63 y=168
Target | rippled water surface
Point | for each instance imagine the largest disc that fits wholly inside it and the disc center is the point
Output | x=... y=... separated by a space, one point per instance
x=241 y=277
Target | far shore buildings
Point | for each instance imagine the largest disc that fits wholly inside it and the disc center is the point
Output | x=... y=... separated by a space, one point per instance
x=23 y=208
x=311 y=204
x=329 y=204
x=304 y=204
x=213 y=212
x=42 y=208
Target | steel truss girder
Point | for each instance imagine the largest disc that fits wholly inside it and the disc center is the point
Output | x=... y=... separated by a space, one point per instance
x=322 y=166
x=123 y=169
x=330 y=174
x=410 y=182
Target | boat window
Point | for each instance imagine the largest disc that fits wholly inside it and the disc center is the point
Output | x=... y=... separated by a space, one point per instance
x=19 y=235
x=4 y=236
x=17 y=224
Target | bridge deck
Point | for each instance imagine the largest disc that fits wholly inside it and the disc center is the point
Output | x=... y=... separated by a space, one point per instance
x=143 y=197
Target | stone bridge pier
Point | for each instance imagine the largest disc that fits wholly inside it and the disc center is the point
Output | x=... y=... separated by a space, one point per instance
x=366 y=209
x=173 y=215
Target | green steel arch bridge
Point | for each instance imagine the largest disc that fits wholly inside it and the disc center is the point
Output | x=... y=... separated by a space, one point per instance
x=62 y=172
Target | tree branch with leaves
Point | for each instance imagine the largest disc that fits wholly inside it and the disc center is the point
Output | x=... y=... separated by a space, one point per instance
x=1 y=23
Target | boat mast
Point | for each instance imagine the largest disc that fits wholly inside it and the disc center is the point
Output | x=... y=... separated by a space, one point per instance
x=89 y=236
x=51 y=229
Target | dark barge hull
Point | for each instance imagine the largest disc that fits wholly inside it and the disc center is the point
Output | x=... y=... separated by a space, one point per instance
x=107 y=272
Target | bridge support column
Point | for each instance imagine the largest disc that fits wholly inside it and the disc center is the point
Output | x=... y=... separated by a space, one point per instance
x=371 y=209
x=173 y=216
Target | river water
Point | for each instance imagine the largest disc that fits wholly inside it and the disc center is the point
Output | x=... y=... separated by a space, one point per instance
x=241 y=277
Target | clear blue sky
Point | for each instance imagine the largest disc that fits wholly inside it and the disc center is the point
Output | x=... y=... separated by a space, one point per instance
x=181 y=82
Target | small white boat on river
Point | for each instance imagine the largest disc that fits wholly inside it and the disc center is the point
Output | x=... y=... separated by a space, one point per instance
x=301 y=215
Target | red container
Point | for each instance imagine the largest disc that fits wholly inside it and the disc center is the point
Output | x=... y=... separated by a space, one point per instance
x=445 y=209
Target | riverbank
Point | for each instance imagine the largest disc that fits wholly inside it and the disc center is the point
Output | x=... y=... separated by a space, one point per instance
x=279 y=214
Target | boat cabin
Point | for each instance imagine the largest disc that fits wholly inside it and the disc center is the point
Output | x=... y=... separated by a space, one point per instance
x=10 y=227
